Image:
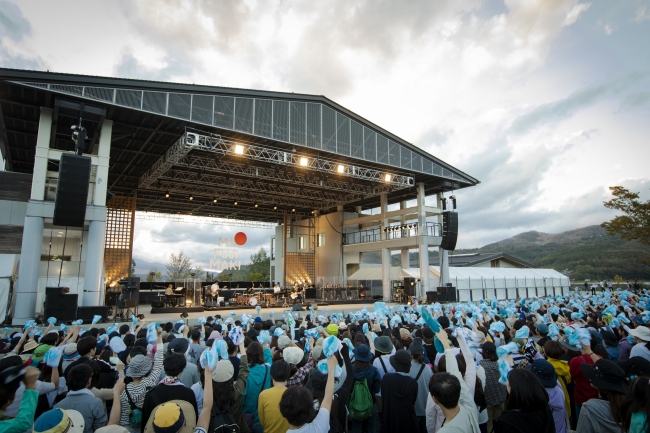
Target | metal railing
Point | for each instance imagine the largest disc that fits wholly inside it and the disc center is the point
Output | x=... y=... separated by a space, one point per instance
x=397 y=231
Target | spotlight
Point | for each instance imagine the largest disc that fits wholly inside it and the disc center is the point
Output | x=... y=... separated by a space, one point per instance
x=293 y=210
x=444 y=203
x=385 y=229
x=256 y=205
x=453 y=202
x=388 y=177
x=239 y=149
x=191 y=198
x=167 y=195
x=235 y=203
x=340 y=168
x=275 y=208
x=304 y=161
x=214 y=201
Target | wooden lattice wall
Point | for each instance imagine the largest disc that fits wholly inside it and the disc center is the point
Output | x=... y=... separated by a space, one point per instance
x=118 y=248
x=300 y=268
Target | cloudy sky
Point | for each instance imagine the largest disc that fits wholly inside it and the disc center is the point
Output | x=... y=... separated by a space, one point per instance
x=545 y=102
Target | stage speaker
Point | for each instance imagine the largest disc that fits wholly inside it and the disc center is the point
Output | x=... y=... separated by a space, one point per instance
x=447 y=294
x=432 y=297
x=63 y=307
x=157 y=304
x=297 y=307
x=72 y=190
x=449 y=230
x=87 y=313
x=409 y=286
x=54 y=291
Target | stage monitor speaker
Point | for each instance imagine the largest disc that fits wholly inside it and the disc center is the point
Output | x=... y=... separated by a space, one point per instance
x=54 y=291
x=87 y=313
x=297 y=307
x=72 y=190
x=449 y=230
x=63 y=307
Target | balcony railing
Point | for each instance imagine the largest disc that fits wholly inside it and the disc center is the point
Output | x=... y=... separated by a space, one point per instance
x=397 y=231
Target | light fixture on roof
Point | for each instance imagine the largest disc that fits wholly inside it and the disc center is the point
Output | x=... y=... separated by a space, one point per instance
x=239 y=149
x=275 y=208
x=214 y=201
x=167 y=195
x=304 y=162
x=388 y=177
x=191 y=198
x=293 y=210
x=235 y=203
x=340 y=168
x=256 y=205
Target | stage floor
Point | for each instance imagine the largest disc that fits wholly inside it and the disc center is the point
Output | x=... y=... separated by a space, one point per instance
x=167 y=316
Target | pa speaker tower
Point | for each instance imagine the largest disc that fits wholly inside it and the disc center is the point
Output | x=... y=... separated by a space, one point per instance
x=449 y=230
x=72 y=191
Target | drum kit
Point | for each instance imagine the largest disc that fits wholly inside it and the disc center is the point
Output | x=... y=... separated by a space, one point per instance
x=258 y=298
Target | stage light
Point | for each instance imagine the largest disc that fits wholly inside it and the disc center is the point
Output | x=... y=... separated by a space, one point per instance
x=388 y=177
x=444 y=203
x=304 y=161
x=167 y=195
x=214 y=201
x=239 y=149
x=191 y=198
x=340 y=168
x=453 y=202
x=275 y=208
x=256 y=205
x=235 y=203
x=293 y=210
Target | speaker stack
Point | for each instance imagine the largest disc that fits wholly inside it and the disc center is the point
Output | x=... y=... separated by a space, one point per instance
x=409 y=287
x=72 y=191
x=449 y=230
x=59 y=304
x=88 y=313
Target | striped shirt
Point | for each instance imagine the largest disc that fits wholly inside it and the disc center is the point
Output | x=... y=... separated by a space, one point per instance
x=138 y=392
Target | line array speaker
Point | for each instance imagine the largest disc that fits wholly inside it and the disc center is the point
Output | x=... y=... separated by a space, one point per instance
x=72 y=190
x=449 y=230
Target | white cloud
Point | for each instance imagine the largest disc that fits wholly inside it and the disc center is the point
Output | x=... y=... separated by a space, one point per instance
x=498 y=90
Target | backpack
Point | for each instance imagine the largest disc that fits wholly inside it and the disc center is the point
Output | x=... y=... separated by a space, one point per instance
x=361 y=401
x=135 y=413
x=223 y=422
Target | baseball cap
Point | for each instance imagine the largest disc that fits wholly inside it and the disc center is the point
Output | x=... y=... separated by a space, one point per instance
x=332 y=329
x=224 y=371
x=175 y=416
x=293 y=355
x=284 y=342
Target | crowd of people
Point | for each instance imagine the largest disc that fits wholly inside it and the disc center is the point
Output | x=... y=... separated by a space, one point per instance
x=556 y=364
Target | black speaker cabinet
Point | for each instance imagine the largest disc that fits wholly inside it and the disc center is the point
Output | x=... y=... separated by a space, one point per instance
x=449 y=230
x=72 y=190
x=447 y=294
x=409 y=286
x=157 y=304
x=87 y=313
x=63 y=307
x=297 y=307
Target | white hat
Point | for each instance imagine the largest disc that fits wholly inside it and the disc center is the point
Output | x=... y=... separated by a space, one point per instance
x=642 y=333
x=293 y=355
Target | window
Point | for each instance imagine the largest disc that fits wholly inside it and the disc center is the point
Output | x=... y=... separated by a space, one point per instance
x=321 y=239
x=272 y=248
x=301 y=242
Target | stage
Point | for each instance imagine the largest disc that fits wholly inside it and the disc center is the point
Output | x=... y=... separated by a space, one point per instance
x=216 y=310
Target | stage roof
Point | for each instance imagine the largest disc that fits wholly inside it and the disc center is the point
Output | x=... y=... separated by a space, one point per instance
x=211 y=147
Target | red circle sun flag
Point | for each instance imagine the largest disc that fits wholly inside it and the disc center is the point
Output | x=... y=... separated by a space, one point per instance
x=240 y=238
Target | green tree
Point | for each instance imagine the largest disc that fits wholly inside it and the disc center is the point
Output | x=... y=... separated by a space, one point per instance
x=132 y=270
x=179 y=266
x=634 y=224
x=260 y=264
x=211 y=276
x=257 y=277
x=224 y=277
x=154 y=275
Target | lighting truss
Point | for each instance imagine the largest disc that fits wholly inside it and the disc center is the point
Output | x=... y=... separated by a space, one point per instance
x=294 y=176
x=216 y=144
x=202 y=220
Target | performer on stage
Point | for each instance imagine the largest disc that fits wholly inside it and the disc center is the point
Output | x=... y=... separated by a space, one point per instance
x=169 y=290
x=276 y=288
x=215 y=289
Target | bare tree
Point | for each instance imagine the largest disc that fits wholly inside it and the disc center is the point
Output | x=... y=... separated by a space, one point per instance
x=179 y=266
x=154 y=275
